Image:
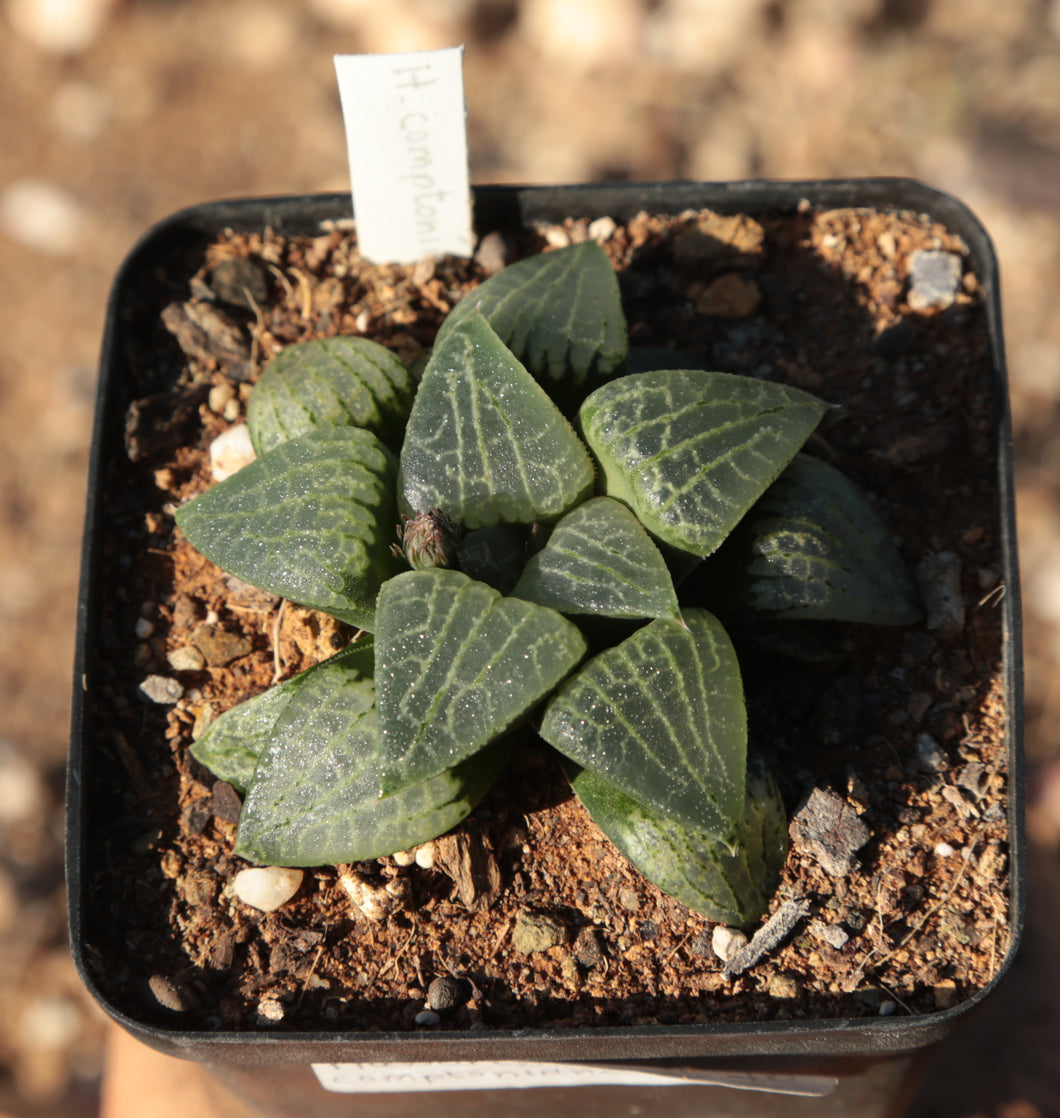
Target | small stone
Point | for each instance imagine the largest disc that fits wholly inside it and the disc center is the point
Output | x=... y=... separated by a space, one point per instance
x=587 y=948
x=186 y=659
x=425 y=856
x=702 y=944
x=972 y=778
x=831 y=934
x=239 y=281
x=60 y=27
x=167 y=993
x=42 y=217
x=939 y=577
x=267 y=887
x=602 y=229
x=446 y=994
x=22 y=789
x=887 y=1008
x=945 y=993
x=536 y=931
x=729 y=296
x=225 y=803
x=944 y=850
x=230 y=452
x=830 y=830
x=427 y=1017
x=629 y=900
x=783 y=986
x=219 y=648
x=934 y=278
x=219 y=396
x=143 y=628
x=51 y=1023
x=725 y=941
x=493 y=253
x=403 y=858
x=373 y=902
x=931 y=757
x=162 y=689
x=270 y=1011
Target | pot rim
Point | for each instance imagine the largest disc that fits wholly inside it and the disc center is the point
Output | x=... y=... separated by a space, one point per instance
x=495 y=206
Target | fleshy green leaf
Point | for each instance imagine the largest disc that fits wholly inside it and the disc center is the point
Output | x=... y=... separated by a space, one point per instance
x=815 y=549
x=734 y=887
x=311 y=520
x=330 y=382
x=599 y=560
x=457 y=665
x=691 y=451
x=559 y=312
x=484 y=443
x=315 y=796
x=232 y=743
x=661 y=716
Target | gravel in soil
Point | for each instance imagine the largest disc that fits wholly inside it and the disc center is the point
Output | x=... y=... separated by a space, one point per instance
x=907 y=731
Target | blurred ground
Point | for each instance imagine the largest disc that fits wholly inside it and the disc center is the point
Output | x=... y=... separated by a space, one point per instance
x=116 y=113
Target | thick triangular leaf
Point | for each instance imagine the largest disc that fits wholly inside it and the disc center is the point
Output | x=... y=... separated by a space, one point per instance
x=312 y=520
x=330 y=382
x=560 y=313
x=600 y=561
x=733 y=887
x=691 y=451
x=232 y=743
x=484 y=443
x=815 y=549
x=315 y=796
x=457 y=665
x=662 y=717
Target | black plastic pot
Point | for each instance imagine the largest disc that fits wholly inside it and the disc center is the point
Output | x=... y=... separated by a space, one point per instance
x=852 y=1066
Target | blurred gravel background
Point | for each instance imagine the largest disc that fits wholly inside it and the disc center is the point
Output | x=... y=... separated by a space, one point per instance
x=113 y=114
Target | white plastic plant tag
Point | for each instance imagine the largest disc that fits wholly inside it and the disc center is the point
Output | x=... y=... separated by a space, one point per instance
x=470 y=1075
x=406 y=134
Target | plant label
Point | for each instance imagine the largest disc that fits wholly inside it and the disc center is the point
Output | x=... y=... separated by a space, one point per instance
x=406 y=136
x=470 y=1075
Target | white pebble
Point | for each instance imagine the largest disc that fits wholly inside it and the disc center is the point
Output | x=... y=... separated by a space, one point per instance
x=41 y=216
x=602 y=229
x=144 y=628
x=186 y=659
x=220 y=394
x=270 y=1010
x=51 y=1023
x=727 y=941
x=425 y=856
x=944 y=850
x=161 y=689
x=230 y=452
x=267 y=887
x=22 y=792
x=59 y=26
x=403 y=857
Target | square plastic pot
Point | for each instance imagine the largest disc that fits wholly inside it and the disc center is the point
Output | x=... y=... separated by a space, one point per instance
x=848 y=1066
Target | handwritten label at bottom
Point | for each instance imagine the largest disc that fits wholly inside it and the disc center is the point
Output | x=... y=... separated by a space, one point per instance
x=493 y=1075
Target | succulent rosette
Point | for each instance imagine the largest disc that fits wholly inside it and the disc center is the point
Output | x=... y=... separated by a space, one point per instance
x=549 y=504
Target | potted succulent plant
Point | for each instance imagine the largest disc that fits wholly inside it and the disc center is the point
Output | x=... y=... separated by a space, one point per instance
x=591 y=525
